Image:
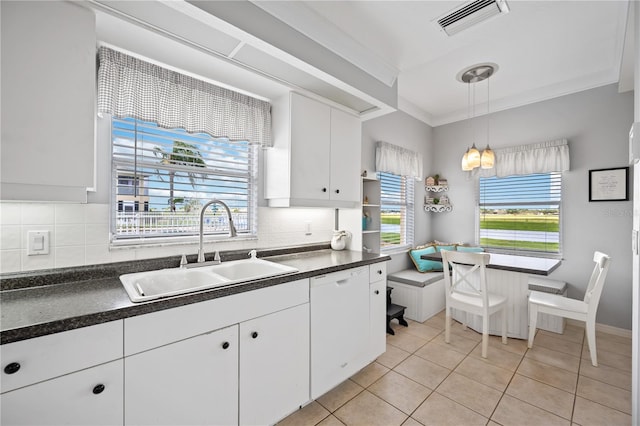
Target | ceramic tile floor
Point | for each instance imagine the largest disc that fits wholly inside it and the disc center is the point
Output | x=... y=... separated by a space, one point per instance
x=421 y=380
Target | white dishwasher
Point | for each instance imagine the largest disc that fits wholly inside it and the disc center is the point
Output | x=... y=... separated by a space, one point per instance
x=339 y=327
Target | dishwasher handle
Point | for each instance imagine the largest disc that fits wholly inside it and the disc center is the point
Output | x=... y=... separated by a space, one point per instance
x=340 y=277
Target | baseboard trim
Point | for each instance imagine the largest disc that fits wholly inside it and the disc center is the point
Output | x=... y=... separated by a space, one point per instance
x=604 y=328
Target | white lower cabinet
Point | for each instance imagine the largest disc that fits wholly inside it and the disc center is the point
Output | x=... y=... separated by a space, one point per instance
x=87 y=397
x=274 y=365
x=377 y=309
x=190 y=382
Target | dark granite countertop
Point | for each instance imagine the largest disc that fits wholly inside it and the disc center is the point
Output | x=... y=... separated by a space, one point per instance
x=36 y=304
x=512 y=263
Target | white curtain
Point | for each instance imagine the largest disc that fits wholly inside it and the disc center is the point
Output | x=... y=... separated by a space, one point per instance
x=130 y=87
x=544 y=157
x=397 y=160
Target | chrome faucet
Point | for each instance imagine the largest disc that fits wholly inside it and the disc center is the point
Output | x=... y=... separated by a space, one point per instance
x=232 y=228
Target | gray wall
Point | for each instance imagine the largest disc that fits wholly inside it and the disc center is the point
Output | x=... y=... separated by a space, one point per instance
x=403 y=130
x=596 y=122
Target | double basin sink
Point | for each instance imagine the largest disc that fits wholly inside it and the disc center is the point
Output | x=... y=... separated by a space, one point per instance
x=144 y=286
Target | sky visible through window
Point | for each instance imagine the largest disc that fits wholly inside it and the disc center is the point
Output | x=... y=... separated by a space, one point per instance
x=163 y=177
x=229 y=161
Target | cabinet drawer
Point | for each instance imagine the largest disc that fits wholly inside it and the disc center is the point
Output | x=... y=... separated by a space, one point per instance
x=378 y=272
x=149 y=331
x=89 y=397
x=50 y=356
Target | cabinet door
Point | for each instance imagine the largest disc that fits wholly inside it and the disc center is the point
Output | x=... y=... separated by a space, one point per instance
x=310 y=138
x=346 y=153
x=274 y=365
x=47 y=117
x=377 y=318
x=190 y=382
x=88 y=397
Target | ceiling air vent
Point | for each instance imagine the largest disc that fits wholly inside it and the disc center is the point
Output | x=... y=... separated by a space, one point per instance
x=471 y=14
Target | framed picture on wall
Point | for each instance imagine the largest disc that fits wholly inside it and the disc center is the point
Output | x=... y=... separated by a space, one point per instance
x=609 y=184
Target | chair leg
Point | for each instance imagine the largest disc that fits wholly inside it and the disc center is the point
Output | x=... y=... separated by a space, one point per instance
x=485 y=335
x=533 y=320
x=447 y=326
x=591 y=340
x=503 y=314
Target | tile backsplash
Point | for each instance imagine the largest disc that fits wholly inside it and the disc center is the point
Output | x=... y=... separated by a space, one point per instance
x=79 y=234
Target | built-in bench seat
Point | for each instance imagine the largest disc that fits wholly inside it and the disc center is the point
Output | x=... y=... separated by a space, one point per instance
x=547 y=322
x=421 y=292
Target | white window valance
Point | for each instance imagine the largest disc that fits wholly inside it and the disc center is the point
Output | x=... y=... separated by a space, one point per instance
x=130 y=87
x=397 y=160
x=544 y=157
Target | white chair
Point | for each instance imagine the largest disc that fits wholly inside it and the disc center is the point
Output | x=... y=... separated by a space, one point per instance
x=582 y=310
x=466 y=289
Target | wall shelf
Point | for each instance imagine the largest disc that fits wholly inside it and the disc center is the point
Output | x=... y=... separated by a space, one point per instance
x=436 y=188
x=435 y=200
x=438 y=208
x=370 y=215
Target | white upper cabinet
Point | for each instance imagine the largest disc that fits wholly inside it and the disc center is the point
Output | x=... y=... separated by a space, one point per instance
x=315 y=160
x=48 y=100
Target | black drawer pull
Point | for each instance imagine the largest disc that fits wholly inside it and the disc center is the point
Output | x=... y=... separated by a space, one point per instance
x=12 y=368
x=324 y=189
x=98 y=389
x=377 y=292
x=337 y=191
x=379 y=271
x=225 y=345
x=254 y=334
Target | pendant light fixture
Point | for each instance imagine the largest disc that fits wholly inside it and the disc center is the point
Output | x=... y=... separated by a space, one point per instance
x=472 y=158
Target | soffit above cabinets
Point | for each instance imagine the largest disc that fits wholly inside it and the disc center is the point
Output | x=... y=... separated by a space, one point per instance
x=232 y=52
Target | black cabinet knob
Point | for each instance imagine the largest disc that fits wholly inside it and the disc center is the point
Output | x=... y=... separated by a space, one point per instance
x=337 y=191
x=225 y=345
x=97 y=389
x=324 y=189
x=379 y=271
x=377 y=292
x=12 y=368
x=254 y=334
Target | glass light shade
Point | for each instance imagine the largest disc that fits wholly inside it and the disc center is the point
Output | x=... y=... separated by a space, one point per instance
x=473 y=157
x=465 y=162
x=488 y=158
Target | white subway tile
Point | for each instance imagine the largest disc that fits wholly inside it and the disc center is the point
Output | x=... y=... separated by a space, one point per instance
x=95 y=254
x=122 y=254
x=69 y=256
x=38 y=214
x=97 y=213
x=96 y=234
x=70 y=235
x=10 y=213
x=70 y=213
x=10 y=237
x=10 y=261
x=33 y=263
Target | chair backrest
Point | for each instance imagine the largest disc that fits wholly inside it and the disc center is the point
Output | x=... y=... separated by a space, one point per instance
x=468 y=274
x=596 y=282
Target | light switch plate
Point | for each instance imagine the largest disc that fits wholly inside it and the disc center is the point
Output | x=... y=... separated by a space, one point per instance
x=37 y=243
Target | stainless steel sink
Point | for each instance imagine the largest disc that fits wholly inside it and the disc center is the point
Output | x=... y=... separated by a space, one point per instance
x=144 y=286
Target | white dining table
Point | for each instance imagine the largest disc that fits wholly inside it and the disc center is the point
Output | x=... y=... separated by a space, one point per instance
x=508 y=275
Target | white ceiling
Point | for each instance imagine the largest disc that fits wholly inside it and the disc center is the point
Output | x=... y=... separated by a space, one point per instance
x=544 y=49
